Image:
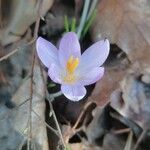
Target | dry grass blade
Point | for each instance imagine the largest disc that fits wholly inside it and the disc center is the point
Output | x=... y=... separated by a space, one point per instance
x=139 y=140
x=129 y=141
x=45 y=123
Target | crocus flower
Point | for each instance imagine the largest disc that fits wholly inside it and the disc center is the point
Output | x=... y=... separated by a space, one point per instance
x=69 y=68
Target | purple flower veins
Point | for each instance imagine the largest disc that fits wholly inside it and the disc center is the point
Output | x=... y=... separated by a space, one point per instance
x=69 y=68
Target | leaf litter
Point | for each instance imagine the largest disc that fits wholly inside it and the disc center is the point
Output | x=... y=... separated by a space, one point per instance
x=115 y=113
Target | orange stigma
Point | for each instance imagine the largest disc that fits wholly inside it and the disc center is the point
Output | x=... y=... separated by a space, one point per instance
x=71 y=66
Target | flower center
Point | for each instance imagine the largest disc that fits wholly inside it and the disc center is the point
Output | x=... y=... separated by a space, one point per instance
x=71 y=66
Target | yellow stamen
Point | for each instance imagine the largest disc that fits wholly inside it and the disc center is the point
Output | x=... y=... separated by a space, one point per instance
x=69 y=78
x=72 y=64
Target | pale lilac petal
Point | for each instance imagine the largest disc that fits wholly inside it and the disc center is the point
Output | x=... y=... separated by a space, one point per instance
x=54 y=73
x=74 y=93
x=46 y=51
x=95 y=55
x=69 y=45
x=91 y=76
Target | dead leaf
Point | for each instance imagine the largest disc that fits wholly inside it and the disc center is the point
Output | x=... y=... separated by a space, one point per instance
x=127 y=24
x=99 y=126
x=134 y=102
x=20 y=15
x=14 y=69
x=21 y=115
x=77 y=146
x=8 y=136
x=83 y=146
x=109 y=82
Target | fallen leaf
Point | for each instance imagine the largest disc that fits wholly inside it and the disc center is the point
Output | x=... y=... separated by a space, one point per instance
x=20 y=15
x=127 y=24
x=9 y=137
x=21 y=115
x=110 y=81
x=14 y=69
x=99 y=126
x=134 y=102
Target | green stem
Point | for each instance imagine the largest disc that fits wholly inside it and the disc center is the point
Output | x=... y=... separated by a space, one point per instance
x=66 y=24
x=83 y=17
x=92 y=8
x=54 y=95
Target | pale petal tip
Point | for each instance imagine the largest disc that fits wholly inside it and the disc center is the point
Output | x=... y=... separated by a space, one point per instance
x=71 y=33
x=107 y=47
x=46 y=51
x=72 y=95
x=75 y=98
x=39 y=39
x=70 y=36
x=38 y=42
x=107 y=44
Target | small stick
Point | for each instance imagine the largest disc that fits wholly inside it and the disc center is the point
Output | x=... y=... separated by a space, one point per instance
x=121 y=131
x=81 y=115
x=15 y=50
x=49 y=97
x=139 y=139
x=45 y=123
x=29 y=146
x=56 y=122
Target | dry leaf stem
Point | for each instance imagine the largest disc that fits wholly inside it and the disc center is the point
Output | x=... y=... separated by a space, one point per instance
x=32 y=75
x=50 y=98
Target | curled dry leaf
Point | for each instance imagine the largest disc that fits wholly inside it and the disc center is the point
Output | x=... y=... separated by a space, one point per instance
x=127 y=24
x=134 y=102
x=99 y=133
x=20 y=15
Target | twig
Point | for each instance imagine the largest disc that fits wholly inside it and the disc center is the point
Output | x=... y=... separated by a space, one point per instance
x=16 y=50
x=139 y=140
x=49 y=97
x=45 y=123
x=22 y=103
x=81 y=115
x=32 y=74
x=128 y=144
x=121 y=131
x=30 y=104
x=54 y=95
x=55 y=119
x=136 y=129
x=83 y=17
x=9 y=54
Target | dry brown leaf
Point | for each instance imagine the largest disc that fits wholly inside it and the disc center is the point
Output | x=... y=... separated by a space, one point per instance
x=14 y=69
x=134 y=102
x=20 y=15
x=127 y=24
x=83 y=146
x=108 y=84
x=111 y=141
x=77 y=146
x=21 y=115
